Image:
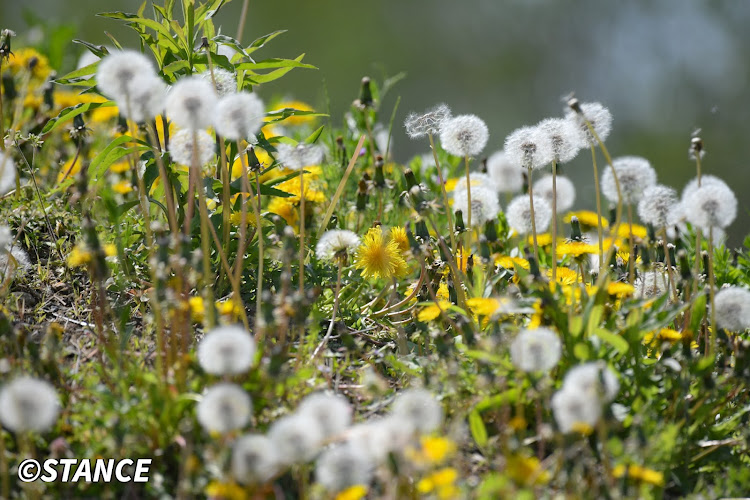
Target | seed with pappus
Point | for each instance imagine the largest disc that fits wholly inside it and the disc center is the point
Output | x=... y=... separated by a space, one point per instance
x=429 y=122
x=484 y=204
x=224 y=82
x=506 y=175
x=239 y=116
x=712 y=205
x=518 y=214
x=597 y=115
x=575 y=410
x=297 y=438
x=536 y=350
x=733 y=309
x=146 y=99
x=634 y=173
x=7 y=173
x=343 y=466
x=419 y=409
x=464 y=135
x=332 y=412
x=254 y=459
x=28 y=404
x=118 y=70
x=566 y=191
x=529 y=147
x=299 y=156
x=224 y=408
x=181 y=148
x=593 y=378
x=191 y=103
x=227 y=350
x=337 y=244
x=564 y=137
x=657 y=205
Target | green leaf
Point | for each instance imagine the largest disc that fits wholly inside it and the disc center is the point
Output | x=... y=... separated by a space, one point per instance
x=283 y=114
x=260 y=42
x=123 y=208
x=499 y=400
x=76 y=75
x=275 y=74
x=71 y=112
x=699 y=310
x=616 y=341
x=582 y=351
x=314 y=136
x=478 y=430
x=594 y=318
x=275 y=63
x=98 y=50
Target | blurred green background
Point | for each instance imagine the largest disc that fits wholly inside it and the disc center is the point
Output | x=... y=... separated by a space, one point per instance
x=665 y=68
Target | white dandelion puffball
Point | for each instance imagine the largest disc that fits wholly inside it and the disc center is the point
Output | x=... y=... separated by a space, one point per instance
x=300 y=156
x=634 y=173
x=336 y=244
x=239 y=116
x=224 y=82
x=380 y=437
x=529 y=147
x=224 y=408
x=692 y=186
x=651 y=284
x=573 y=408
x=536 y=350
x=597 y=115
x=564 y=137
x=565 y=189
x=476 y=179
x=733 y=309
x=181 y=148
x=254 y=459
x=28 y=404
x=484 y=204
x=712 y=205
x=382 y=137
x=227 y=350
x=6 y=238
x=343 y=466
x=296 y=437
x=507 y=176
x=419 y=409
x=7 y=173
x=518 y=214
x=14 y=262
x=657 y=205
x=429 y=122
x=146 y=98
x=191 y=103
x=118 y=70
x=332 y=412
x=593 y=378
x=464 y=135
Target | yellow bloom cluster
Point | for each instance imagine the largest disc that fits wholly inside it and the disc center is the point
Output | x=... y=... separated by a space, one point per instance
x=378 y=257
x=442 y=482
x=639 y=473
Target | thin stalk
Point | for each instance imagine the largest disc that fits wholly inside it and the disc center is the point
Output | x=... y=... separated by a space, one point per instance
x=340 y=188
x=333 y=314
x=243 y=18
x=554 y=219
x=668 y=260
x=468 y=204
x=598 y=211
x=631 y=243
x=243 y=217
x=259 y=291
x=205 y=241
x=533 y=217
x=171 y=209
x=711 y=290
x=2 y=124
x=302 y=232
x=448 y=211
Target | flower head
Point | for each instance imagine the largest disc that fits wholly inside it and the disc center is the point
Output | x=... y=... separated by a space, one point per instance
x=476 y=179
x=146 y=98
x=593 y=378
x=657 y=205
x=564 y=136
x=428 y=122
x=575 y=410
x=692 y=186
x=536 y=350
x=712 y=205
x=378 y=257
x=239 y=116
x=181 y=148
x=28 y=404
x=529 y=147
x=597 y=115
x=191 y=103
x=300 y=156
x=464 y=135
x=254 y=459
x=651 y=285
x=118 y=71
x=226 y=350
x=566 y=191
x=733 y=309
x=484 y=204
x=505 y=174
x=332 y=412
x=419 y=409
x=518 y=214
x=634 y=173
x=337 y=245
x=296 y=437
x=343 y=466
x=13 y=261
x=7 y=173
x=224 y=82
x=224 y=408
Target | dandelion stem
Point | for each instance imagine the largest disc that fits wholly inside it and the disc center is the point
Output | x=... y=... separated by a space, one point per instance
x=533 y=217
x=469 y=210
x=340 y=187
x=333 y=314
x=554 y=219
x=668 y=260
x=259 y=292
x=302 y=232
x=631 y=244
x=448 y=211
x=205 y=240
x=711 y=290
x=243 y=17
x=598 y=211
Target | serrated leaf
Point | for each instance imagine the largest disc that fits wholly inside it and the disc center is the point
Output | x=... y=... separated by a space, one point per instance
x=478 y=430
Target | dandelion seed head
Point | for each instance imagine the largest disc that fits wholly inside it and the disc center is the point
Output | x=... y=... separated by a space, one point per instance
x=239 y=116
x=146 y=98
x=477 y=179
x=518 y=214
x=6 y=238
x=464 y=135
x=733 y=309
x=593 y=378
x=419 y=409
x=28 y=404
x=118 y=70
x=598 y=116
x=337 y=244
x=529 y=147
x=332 y=412
x=254 y=459
x=429 y=122
x=191 y=103
x=382 y=436
x=506 y=175
x=566 y=191
x=536 y=350
x=296 y=437
x=227 y=350
x=484 y=203
x=692 y=186
x=224 y=408
x=14 y=262
x=710 y=206
x=650 y=285
x=634 y=173
x=7 y=173
x=657 y=205
x=564 y=137
x=573 y=408
x=343 y=466
x=224 y=82
x=181 y=147
x=299 y=156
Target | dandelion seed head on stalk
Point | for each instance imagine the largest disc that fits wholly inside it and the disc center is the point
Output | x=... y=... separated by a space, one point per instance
x=518 y=214
x=464 y=135
x=656 y=205
x=564 y=137
x=598 y=116
x=181 y=147
x=191 y=103
x=7 y=173
x=593 y=378
x=226 y=350
x=118 y=70
x=300 y=156
x=380 y=437
x=254 y=459
x=14 y=262
x=28 y=404
x=429 y=122
x=6 y=238
x=712 y=205
x=239 y=116
x=651 y=284
x=146 y=98
x=296 y=437
x=733 y=309
x=506 y=175
x=332 y=412
x=477 y=179
x=529 y=147
x=484 y=203
x=566 y=191
x=343 y=466
x=536 y=350
x=691 y=187
x=337 y=244
x=377 y=257
x=419 y=409
x=575 y=410
x=224 y=408
x=226 y=81
x=634 y=173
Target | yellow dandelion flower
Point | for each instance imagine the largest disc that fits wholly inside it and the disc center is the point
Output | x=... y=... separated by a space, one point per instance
x=22 y=58
x=483 y=306
x=432 y=450
x=620 y=289
x=65 y=99
x=378 y=258
x=293 y=187
x=110 y=250
x=450 y=184
x=624 y=256
x=536 y=318
x=265 y=160
x=542 y=240
x=510 y=262
x=120 y=167
x=665 y=334
x=398 y=234
x=79 y=256
x=228 y=308
x=431 y=312
x=197 y=308
x=217 y=490
x=565 y=276
x=576 y=248
x=33 y=101
x=295 y=120
x=586 y=218
x=639 y=473
x=122 y=187
x=446 y=476
x=526 y=471
x=68 y=170
x=284 y=209
x=639 y=232
x=582 y=428
x=356 y=492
